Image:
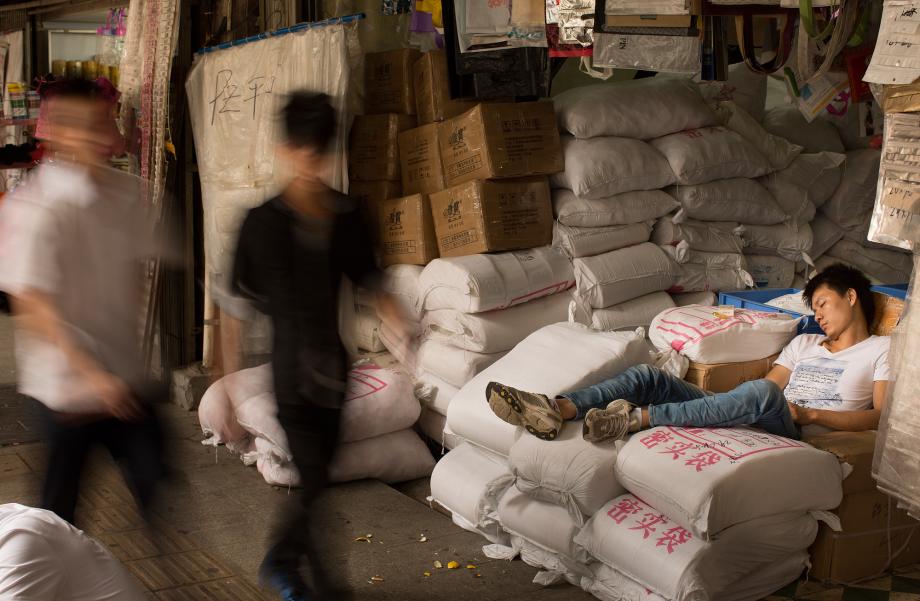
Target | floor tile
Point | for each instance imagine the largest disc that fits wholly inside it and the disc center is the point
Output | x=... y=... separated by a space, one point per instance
x=171 y=571
x=879 y=584
x=11 y=466
x=903 y=584
x=864 y=594
x=232 y=589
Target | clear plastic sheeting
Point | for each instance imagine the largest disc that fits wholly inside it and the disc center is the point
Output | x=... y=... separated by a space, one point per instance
x=897 y=454
x=234 y=96
x=896 y=215
x=667 y=54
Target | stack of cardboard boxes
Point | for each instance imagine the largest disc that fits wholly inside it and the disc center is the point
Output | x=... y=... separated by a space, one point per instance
x=471 y=178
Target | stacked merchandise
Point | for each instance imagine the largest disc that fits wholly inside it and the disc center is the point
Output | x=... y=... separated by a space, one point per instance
x=377 y=440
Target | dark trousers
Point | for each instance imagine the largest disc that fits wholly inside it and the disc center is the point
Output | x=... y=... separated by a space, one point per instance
x=312 y=434
x=136 y=446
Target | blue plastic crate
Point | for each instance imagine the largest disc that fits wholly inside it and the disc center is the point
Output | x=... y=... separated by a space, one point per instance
x=756 y=299
x=895 y=290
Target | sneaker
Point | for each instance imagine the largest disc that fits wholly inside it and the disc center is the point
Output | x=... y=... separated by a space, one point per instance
x=289 y=586
x=604 y=424
x=535 y=412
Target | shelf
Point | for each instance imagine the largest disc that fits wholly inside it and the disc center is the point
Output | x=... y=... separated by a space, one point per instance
x=15 y=122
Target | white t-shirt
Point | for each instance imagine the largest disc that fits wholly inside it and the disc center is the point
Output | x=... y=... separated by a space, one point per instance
x=43 y=558
x=841 y=381
x=82 y=242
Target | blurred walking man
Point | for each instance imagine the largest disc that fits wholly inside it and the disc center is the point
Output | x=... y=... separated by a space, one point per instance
x=72 y=243
x=292 y=253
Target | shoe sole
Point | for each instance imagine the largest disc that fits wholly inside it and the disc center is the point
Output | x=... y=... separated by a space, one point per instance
x=513 y=411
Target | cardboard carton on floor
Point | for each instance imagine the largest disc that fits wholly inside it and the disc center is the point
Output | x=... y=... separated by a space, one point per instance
x=849 y=557
x=432 y=90
x=407 y=231
x=493 y=216
x=501 y=140
x=722 y=377
x=855 y=448
x=420 y=160
x=888 y=311
x=373 y=151
x=389 y=85
x=369 y=195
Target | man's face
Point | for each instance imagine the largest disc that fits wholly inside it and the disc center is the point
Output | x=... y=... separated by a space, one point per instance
x=834 y=312
x=83 y=129
x=303 y=162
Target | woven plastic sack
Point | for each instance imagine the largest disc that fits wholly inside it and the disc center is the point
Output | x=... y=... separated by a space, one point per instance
x=738 y=199
x=779 y=151
x=635 y=313
x=622 y=275
x=789 y=123
x=826 y=233
x=787 y=241
x=588 y=241
x=622 y=209
x=851 y=205
x=770 y=272
x=707 y=236
x=454 y=365
x=819 y=174
x=700 y=156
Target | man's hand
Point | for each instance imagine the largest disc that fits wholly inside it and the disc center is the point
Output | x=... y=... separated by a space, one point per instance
x=389 y=311
x=800 y=415
x=114 y=395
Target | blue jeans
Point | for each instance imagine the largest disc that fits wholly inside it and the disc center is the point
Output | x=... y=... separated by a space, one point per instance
x=674 y=402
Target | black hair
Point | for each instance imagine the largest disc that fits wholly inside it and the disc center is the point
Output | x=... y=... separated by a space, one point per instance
x=80 y=89
x=840 y=278
x=309 y=120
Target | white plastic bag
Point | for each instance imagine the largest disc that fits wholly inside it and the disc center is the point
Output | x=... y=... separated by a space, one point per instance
x=396 y=457
x=546 y=525
x=434 y=393
x=709 y=335
x=740 y=200
x=216 y=416
x=704 y=155
x=635 y=313
x=709 y=479
x=477 y=283
x=602 y=167
x=622 y=275
x=642 y=109
x=588 y=241
x=377 y=401
x=623 y=209
x=495 y=331
x=454 y=365
x=708 y=236
x=537 y=365
x=701 y=271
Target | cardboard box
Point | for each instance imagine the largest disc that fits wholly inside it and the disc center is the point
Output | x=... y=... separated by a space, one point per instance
x=888 y=311
x=491 y=216
x=369 y=196
x=432 y=90
x=420 y=160
x=407 y=231
x=871 y=510
x=389 y=85
x=842 y=557
x=373 y=151
x=501 y=140
x=722 y=377
x=855 y=448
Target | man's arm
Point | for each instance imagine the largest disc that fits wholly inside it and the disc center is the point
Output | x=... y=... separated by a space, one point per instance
x=779 y=375
x=36 y=313
x=849 y=421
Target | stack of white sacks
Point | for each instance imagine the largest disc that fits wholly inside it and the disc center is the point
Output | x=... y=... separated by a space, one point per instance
x=673 y=513
x=470 y=311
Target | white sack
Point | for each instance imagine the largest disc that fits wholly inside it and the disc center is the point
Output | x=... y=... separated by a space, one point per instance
x=399 y=348
x=402 y=281
x=477 y=283
x=887 y=266
x=642 y=109
x=537 y=364
x=546 y=525
x=648 y=547
x=367 y=330
x=635 y=313
x=623 y=209
x=396 y=457
x=826 y=233
x=705 y=155
x=434 y=393
x=495 y=331
x=432 y=424
x=744 y=87
x=779 y=151
x=787 y=241
x=694 y=298
x=588 y=241
x=792 y=198
x=705 y=335
x=708 y=479
x=568 y=471
x=702 y=271
x=770 y=272
x=602 y=167
x=738 y=199
x=622 y=275
x=788 y=122
x=469 y=482
x=708 y=236
x=851 y=205
x=377 y=401
x=216 y=416
x=456 y=366
x=819 y=174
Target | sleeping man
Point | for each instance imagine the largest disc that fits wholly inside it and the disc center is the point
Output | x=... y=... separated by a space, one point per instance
x=834 y=381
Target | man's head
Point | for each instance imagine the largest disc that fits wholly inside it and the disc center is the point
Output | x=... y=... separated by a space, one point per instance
x=840 y=297
x=310 y=123
x=78 y=120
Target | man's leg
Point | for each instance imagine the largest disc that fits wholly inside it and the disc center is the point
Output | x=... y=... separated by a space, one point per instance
x=757 y=403
x=68 y=446
x=138 y=447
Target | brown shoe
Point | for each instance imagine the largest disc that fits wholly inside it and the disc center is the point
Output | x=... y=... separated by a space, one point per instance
x=535 y=412
x=604 y=424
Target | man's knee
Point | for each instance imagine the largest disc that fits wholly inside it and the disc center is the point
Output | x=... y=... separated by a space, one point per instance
x=644 y=371
x=769 y=395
